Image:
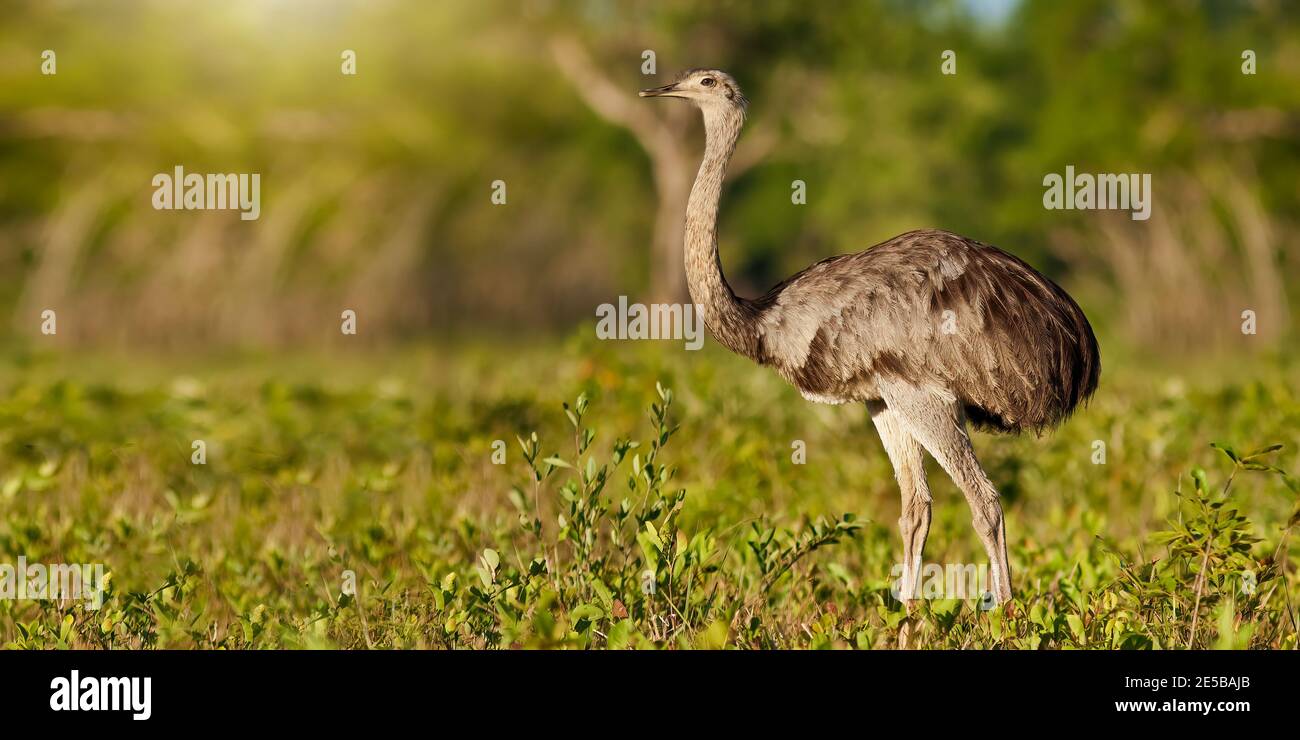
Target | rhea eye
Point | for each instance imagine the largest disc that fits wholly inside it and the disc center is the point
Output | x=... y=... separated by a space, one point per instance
x=707 y=82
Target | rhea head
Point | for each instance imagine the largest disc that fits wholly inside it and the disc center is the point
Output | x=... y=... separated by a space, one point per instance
x=704 y=87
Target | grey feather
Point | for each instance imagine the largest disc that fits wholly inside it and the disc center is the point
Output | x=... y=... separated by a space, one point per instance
x=1020 y=355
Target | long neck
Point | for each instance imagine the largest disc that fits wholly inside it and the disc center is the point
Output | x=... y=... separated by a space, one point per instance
x=728 y=317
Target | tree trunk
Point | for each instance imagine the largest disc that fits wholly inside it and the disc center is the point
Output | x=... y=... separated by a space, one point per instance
x=673 y=176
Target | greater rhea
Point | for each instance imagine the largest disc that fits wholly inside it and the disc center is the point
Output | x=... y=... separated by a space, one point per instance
x=929 y=329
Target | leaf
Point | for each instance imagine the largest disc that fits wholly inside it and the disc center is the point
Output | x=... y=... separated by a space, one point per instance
x=1231 y=453
x=1262 y=451
x=620 y=635
x=556 y=461
x=649 y=549
x=1202 y=482
x=653 y=535
x=603 y=594
x=1076 y=626
x=587 y=611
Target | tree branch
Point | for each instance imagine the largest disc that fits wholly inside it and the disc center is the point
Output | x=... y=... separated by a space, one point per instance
x=610 y=101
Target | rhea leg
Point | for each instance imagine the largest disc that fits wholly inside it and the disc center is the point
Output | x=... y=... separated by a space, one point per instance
x=908 y=458
x=938 y=423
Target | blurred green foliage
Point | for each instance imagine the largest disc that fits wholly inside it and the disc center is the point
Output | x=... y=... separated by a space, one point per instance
x=376 y=187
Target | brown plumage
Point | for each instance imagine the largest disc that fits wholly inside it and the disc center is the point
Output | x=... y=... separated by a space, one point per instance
x=1016 y=350
x=929 y=329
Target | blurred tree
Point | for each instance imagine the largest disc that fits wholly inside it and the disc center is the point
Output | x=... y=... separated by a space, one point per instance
x=661 y=132
x=376 y=186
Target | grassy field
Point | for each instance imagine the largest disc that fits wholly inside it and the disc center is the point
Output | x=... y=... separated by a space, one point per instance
x=446 y=496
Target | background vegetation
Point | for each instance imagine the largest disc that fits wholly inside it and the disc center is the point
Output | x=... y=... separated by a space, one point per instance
x=373 y=453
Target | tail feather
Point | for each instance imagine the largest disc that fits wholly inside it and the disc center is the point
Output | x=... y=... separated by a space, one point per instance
x=1057 y=340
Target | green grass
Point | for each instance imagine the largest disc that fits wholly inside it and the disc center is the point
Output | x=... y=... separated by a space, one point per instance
x=684 y=526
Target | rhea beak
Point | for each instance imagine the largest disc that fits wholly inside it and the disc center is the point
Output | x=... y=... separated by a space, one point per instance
x=657 y=92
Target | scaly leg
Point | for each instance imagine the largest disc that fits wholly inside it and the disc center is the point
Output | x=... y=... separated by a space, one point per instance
x=937 y=422
x=908 y=458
